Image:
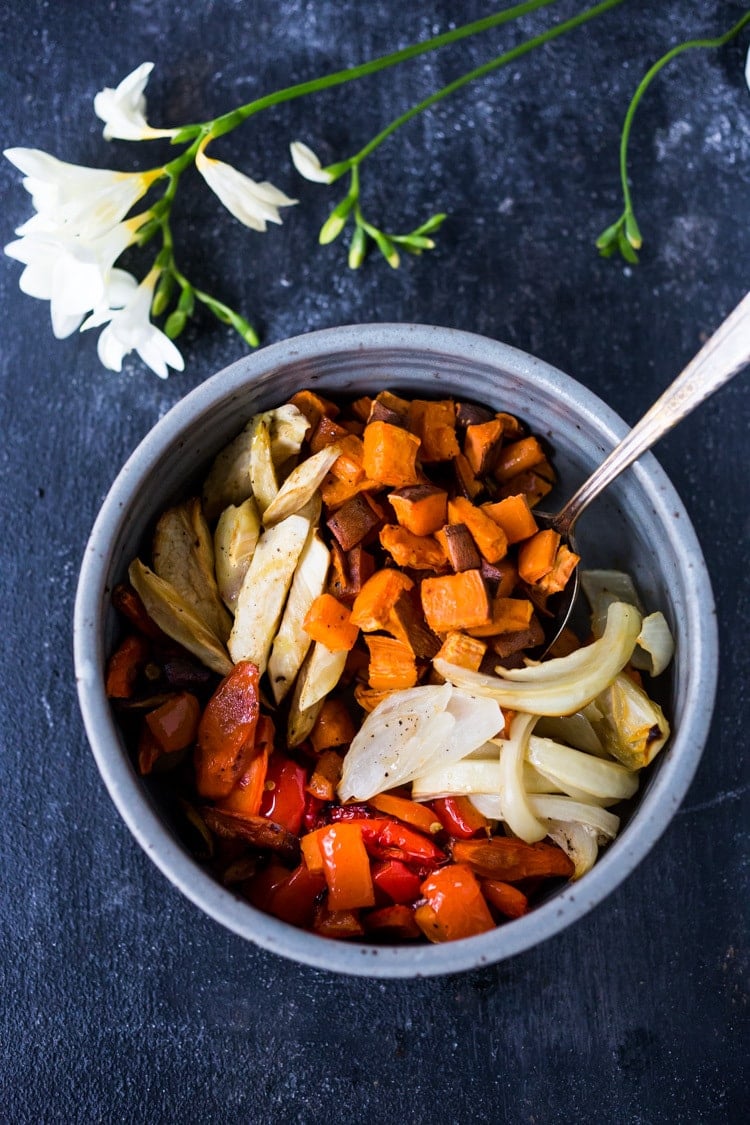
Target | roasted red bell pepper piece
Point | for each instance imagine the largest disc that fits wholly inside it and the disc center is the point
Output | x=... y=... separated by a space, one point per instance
x=226 y=733
x=392 y=923
x=294 y=900
x=455 y=907
x=127 y=602
x=459 y=818
x=418 y=816
x=346 y=866
x=174 y=725
x=124 y=666
x=337 y=923
x=508 y=859
x=396 y=880
x=389 y=839
x=265 y=883
x=284 y=796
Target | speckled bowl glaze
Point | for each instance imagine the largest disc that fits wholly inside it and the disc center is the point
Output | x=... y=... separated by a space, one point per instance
x=640 y=526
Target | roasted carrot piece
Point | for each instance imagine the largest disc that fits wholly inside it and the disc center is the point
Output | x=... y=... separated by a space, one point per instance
x=174 y=725
x=467 y=482
x=507 y=899
x=390 y=455
x=514 y=516
x=459 y=547
x=434 y=423
x=421 y=508
x=463 y=650
x=565 y=563
x=374 y=603
x=333 y=726
x=226 y=732
x=503 y=857
x=325 y=776
x=314 y=406
x=509 y=615
x=411 y=812
x=329 y=621
x=392 y=664
x=346 y=866
x=419 y=552
x=455 y=906
x=326 y=433
x=455 y=601
x=536 y=556
x=518 y=456
x=124 y=665
x=488 y=536
x=482 y=445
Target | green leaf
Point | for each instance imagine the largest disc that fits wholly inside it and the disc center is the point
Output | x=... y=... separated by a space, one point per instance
x=176 y=321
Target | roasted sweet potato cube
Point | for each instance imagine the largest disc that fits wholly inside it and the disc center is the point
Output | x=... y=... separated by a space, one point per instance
x=514 y=516
x=463 y=650
x=434 y=423
x=469 y=414
x=353 y=521
x=419 y=552
x=467 y=483
x=421 y=508
x=482 y=445
x=390 y=455
x=374 y=603
x=460 y=548
x=314 y=406
x=392 y=664
x=517 y=457
x=406 y=622
x=509 y=615
x=488 y=536
x=455 y=601
x=326 y=433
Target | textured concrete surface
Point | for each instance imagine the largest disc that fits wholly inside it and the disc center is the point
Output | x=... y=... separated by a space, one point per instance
x=120 y=1001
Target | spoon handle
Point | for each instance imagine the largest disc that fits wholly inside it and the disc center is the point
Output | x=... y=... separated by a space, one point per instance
x=718 y=361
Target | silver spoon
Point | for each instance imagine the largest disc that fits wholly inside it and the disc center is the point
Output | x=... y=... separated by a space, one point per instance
x=721 y=358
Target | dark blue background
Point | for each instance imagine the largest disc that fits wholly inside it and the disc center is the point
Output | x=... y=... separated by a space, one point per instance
x=120 y=1000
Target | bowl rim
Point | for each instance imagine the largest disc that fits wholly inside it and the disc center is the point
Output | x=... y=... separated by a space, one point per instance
x=659 y=803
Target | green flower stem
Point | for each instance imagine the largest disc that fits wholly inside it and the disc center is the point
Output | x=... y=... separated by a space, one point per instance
x=481 y=71
x=229 y=121
x=691 y=44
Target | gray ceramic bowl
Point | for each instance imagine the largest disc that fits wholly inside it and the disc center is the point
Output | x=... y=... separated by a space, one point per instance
x=640 y=526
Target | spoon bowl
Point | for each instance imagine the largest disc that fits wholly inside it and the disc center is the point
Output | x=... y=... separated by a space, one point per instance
x=722 y=357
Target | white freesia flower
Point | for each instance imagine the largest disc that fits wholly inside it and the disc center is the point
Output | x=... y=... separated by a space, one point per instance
x=254 y=204
x=123 y=110
x=308 y=164
x=70 y=272
x=130 y=329
x=747 y=69
x=88 y=201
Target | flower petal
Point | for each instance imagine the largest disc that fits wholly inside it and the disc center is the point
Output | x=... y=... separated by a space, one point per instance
x=123 y=109
x=253 y=204
x=308 y=164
